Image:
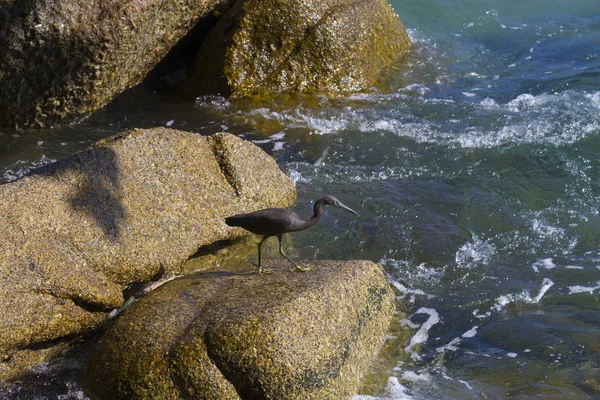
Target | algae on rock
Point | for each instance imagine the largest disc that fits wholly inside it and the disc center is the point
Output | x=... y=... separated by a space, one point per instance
x=63 y=59
x=76 y=233
x=230 y=335
x=332 y=46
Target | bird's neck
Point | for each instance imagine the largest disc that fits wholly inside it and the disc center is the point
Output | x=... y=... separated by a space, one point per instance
x=318 y=213
x=318 y=210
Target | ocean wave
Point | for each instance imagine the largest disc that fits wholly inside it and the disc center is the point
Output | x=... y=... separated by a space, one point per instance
x=547 y=119
x=474 y=253
x=22 y=168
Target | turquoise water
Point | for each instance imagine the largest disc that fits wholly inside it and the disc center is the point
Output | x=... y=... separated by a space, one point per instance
x=476 y=176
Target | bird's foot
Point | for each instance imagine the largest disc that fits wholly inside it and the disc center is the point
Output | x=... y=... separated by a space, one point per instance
x=301 y=269
x=262 y=271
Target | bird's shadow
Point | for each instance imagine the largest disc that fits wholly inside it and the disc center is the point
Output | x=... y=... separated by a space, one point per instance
x=99 y=193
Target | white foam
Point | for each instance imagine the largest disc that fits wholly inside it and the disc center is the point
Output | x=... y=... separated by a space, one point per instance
x=277 y=136
x=297 y=177
x=320 y=161
x=423 y=332
x=524 y=297
x=22 y=168
x=512 y=355
x=169 y=123
x=479 y=315
x=534 y=121
x=546 y=284
x=545 y=263
x=474 y=253
x=445 y=376
x=544 y=229
x=583 y=289
x=501 y=302
x=214 y=102
x=395 y=391
x=278 y=146
x=471 y=332
x=452 y=346
x=415 y=88
x=489 y=103
x=414 y=377
x=466 y=384
x=406 y=291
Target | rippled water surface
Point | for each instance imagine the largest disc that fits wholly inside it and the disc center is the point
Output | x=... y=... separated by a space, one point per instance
x=476 y=176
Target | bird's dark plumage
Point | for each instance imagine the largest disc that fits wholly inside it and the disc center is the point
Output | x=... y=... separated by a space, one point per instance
x=277 y=221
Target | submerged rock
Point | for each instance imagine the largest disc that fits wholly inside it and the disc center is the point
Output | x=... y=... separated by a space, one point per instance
x=76 y=233
x=225 y=335
x=263 y=46
x=63 y=59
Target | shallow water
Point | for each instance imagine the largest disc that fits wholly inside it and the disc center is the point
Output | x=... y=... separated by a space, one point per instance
x=476 y=178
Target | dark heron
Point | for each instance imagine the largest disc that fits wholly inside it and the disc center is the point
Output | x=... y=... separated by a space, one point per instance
x=277 y=221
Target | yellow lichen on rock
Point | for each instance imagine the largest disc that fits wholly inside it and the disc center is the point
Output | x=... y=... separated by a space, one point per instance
x=271 y=46
x=74 y=234
x=228 y=334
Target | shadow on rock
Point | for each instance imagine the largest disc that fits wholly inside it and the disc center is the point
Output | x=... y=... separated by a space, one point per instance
x=100 y=196
x=99 y=193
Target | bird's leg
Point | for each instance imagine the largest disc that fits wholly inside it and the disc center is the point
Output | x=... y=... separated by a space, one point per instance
x=296 y=266
x=261 y=271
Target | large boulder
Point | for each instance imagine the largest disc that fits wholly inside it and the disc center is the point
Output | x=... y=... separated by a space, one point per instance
x=76 y=233
x=263 y=46
x=63 y=59
x=231 y=335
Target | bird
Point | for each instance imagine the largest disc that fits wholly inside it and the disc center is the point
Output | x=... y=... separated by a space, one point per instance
x=277 y=221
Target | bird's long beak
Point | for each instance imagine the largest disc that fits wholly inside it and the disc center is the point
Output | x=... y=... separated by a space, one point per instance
x=343 y=207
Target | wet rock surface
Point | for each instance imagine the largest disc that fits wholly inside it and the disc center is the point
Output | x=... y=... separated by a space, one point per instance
x=236 y=334
x=63 y=59
x=76 y=233
x=333 y=46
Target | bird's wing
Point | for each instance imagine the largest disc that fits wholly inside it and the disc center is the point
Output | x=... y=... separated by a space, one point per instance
x=268 y=222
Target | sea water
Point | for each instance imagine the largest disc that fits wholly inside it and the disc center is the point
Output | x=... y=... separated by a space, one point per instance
x=475 y=171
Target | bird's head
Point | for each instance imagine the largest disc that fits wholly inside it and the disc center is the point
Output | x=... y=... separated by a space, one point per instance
x=332 y=201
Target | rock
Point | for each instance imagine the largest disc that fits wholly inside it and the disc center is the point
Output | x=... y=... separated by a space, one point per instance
x=225 y=335
x=63 y=59
x=263 y=46
x=76 y=233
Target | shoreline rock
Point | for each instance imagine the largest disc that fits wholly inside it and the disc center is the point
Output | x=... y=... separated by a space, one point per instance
x=78 y=232
x=61 y=60
x=271 y=46
x=230 y=334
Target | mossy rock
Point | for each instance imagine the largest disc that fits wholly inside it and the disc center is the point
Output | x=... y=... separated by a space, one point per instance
x=63 y=59
x=333 y=46
x=76 y=233
x=232 y=335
